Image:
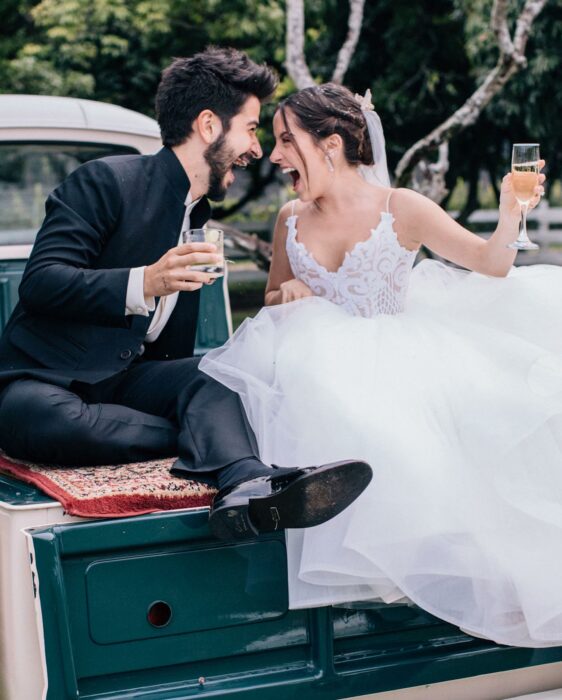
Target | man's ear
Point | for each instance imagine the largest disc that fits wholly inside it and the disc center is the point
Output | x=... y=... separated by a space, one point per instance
x=208 y=126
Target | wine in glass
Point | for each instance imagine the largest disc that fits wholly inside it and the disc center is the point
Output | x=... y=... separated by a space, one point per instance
x=525 y=177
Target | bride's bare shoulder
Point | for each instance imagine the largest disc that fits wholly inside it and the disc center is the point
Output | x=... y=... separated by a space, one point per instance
x=411 y=204
x=291 y=208
x=411 y=201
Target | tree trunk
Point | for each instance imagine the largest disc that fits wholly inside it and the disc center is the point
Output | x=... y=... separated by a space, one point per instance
x=510 y=60
x=295 y=59
x=346 y=52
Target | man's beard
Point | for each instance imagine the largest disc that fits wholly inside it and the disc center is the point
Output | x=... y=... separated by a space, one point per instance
x=220 y=158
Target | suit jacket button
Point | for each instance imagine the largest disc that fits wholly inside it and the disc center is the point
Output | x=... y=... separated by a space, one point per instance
x=125 y=355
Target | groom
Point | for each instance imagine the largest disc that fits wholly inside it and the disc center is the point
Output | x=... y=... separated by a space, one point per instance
x=96 y=361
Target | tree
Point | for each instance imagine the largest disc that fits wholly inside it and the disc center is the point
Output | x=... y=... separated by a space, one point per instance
x=114 y=50
x=429 y=177
x=511 y=59
x=421 y=60
x=297 y=66
x=528 y=108
x=106 y=50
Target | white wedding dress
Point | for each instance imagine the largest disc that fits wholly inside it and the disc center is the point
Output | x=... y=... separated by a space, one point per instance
x=449 y=384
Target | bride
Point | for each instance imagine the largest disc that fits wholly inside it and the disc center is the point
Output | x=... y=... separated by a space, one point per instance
x=448 y=382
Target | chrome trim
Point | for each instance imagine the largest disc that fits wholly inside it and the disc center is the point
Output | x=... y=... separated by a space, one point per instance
x=15 y=252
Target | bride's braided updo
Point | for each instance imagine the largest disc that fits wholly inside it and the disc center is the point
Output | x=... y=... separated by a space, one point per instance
x=323 y=110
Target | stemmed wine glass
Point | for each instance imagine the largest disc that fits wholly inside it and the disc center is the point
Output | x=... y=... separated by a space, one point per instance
x=525 y=177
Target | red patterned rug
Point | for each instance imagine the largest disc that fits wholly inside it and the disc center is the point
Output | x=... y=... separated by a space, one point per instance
x=112 y=491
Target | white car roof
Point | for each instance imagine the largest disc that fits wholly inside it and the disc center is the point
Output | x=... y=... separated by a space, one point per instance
x=44 y=111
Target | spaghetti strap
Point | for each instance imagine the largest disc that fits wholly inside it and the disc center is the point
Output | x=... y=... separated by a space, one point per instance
x=388 y=201
x=293 y=204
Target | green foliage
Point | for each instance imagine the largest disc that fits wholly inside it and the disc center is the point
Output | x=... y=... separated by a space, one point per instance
x=421 y=60
x=528 y=108
x=425 y=59
x=108 y=50
x=114 y=50
x=412 y=57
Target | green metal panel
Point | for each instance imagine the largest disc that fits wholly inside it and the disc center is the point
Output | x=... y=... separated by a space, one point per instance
x=409 y=647
x=16 y=493
x=98 y=580
x=230 y=632
x=189 y=585
x=212 y=328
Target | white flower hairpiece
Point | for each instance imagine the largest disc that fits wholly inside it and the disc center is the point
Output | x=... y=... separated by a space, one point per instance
x=365 y=101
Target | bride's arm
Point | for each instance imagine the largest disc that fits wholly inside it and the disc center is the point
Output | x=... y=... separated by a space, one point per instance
x=421 y=221
x=282 y=286
x=280 y=269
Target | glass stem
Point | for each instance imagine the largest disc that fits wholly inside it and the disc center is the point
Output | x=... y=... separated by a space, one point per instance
x=523 y=237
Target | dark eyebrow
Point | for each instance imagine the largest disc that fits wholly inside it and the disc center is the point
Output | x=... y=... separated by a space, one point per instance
x=253 y=122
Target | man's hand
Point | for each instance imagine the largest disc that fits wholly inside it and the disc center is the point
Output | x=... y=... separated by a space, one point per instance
x=172 y=272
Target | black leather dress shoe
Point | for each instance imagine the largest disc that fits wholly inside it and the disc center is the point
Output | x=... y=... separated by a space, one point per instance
x=293 y=498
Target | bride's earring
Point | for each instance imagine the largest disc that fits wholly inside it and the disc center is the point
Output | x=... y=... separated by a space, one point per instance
x=329 y=161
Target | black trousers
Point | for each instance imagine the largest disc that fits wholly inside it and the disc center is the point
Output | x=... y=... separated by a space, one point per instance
x=154 y=409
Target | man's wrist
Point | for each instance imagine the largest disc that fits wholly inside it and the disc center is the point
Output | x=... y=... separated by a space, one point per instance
x=147 y=287
x=137 y=302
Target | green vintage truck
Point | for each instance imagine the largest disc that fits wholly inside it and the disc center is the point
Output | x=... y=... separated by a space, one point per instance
x=135 y=607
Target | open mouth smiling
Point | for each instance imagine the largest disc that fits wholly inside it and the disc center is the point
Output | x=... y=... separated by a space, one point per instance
x=242 y=161
x=294 y=174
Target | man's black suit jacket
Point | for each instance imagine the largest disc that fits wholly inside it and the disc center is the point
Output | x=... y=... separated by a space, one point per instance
x=108 y=216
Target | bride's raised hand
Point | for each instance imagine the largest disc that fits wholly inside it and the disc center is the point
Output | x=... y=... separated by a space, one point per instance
x=509 y=206
x=294 y=289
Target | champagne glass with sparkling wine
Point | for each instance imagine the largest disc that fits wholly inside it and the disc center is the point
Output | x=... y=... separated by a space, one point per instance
x=525 y=177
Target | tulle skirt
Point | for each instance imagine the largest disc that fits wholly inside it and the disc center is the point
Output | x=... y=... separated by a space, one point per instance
x=457 y=405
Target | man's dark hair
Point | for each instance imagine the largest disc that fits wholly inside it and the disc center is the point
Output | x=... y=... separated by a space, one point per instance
x=217 y=79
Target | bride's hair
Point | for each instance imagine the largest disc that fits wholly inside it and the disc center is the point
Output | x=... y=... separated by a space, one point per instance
x=323 y=110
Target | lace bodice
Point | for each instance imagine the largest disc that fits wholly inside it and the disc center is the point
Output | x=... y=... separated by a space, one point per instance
x=372 y=279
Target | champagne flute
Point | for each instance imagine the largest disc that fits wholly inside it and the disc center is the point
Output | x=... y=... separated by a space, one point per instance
x=525 y=177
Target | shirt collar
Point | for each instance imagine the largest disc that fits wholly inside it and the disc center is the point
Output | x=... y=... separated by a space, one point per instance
x=190 y=203
x=174 y=172
x=179 y=182
x=176 y=175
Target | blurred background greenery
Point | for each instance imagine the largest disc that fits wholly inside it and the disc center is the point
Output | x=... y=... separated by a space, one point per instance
x=420 y=59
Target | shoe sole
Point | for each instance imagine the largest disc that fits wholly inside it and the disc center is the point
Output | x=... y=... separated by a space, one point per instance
x=311 y=499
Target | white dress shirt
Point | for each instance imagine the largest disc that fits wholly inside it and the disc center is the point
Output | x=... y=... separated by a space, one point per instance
x=137 y=303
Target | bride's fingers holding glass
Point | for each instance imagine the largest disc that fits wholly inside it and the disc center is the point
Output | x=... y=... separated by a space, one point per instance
x=510 y=204
x=539 y=189
x=538 y=193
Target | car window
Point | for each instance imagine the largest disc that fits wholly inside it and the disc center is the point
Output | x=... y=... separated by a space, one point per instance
x=28 y=173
